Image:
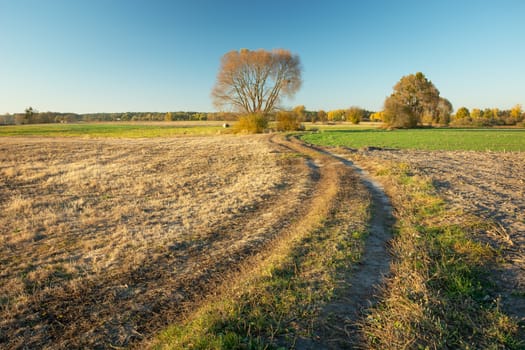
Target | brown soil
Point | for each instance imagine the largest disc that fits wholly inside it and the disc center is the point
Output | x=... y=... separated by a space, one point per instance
x=487 y=185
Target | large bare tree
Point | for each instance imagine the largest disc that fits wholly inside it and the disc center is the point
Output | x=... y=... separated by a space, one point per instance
x=255 y=81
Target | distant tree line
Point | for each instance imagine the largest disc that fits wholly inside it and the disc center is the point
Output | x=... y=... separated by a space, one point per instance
x=441 y=116
x=488 y=117
x=294 y=117
x=32 y=116
x=353 y=114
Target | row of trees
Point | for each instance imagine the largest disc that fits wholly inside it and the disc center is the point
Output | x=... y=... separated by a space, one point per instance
x=488 y=117
x=352 y=114
x=291 y=120
x=32 y=116
x=462 y=117
x=253 y=82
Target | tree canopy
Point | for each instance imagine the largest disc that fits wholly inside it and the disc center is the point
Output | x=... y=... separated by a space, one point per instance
x=462 y=113
x=415 y=100
x=255 y=81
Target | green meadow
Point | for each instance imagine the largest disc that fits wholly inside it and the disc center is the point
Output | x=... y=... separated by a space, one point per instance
x=422 y=139
x=118 y=130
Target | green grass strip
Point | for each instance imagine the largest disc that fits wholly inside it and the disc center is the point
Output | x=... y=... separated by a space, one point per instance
x=128 y=130
x=423 y=139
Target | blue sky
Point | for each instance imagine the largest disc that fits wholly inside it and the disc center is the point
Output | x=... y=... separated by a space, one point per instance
x=151 y=55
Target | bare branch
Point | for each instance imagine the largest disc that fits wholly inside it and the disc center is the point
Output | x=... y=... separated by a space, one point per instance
x=254 y=81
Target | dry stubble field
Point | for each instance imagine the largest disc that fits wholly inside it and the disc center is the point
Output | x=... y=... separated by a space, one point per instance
x=482 y=185
x=104 y=242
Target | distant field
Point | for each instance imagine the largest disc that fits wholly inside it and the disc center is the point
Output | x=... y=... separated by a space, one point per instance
x=423 y=139
x=119 y=130
x=353 y=136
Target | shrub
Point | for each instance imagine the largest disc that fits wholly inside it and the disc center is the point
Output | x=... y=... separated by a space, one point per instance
x=251 y=124
x=288 y=121
x=354 y=115
x=399 y=117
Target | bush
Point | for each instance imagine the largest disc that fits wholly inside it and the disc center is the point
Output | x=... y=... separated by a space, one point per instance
x=251 y=124
x=399 y=117
x=354 y=115
x=288 y=121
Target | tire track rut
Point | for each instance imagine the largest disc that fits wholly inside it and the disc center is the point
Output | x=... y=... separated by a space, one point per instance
x=338 y=324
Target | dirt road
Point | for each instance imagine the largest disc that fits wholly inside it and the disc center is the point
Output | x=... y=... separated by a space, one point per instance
x=338 y=323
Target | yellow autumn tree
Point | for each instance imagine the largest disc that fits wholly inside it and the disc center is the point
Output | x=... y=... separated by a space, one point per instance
x=516 y=112
x=377 y=116
x=336 y=115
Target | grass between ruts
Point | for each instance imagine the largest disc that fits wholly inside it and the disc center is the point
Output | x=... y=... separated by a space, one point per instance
x=116 y=130
x=278 y=299
x=438 y=295
x=423 y=139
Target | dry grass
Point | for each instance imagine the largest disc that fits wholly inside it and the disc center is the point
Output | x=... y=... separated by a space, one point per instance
x=439 y=294
x=251 y=124
x=99 y=238
x=277 y=300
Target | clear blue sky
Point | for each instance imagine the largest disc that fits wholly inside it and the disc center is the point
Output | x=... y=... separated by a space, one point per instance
x=151 y=55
